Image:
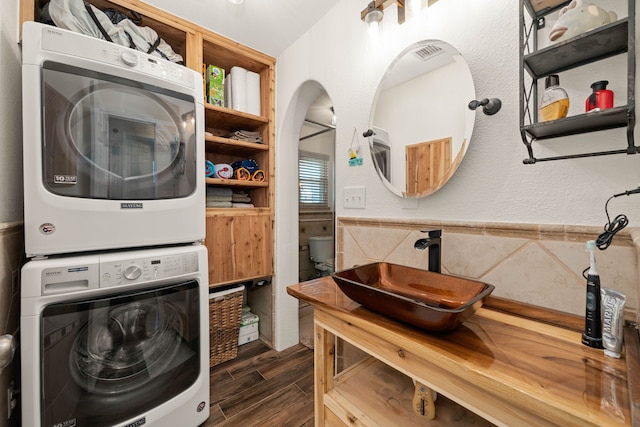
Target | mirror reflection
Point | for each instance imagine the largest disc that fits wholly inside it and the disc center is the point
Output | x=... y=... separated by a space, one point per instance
x=420 y=122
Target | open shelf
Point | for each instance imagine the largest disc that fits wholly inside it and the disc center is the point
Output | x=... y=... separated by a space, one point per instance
x=601 y=43
x=232 y=146
x=236 y=183
x=392 y=402
x=227 y=119
x=581 y=123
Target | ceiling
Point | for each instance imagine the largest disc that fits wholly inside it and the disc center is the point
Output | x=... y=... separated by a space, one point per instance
x=269 y=26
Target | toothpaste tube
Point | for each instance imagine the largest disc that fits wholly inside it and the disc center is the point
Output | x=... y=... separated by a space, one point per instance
x=612 y=320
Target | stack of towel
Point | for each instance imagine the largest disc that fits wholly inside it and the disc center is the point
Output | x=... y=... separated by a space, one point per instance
x=247 y=136
x=241 y=199
x=219 y=197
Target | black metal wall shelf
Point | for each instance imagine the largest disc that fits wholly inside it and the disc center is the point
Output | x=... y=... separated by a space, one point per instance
x=604 y=42
x=601 y=43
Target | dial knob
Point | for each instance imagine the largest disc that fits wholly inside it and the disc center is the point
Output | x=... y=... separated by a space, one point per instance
x=132 y=272
x=129 y=58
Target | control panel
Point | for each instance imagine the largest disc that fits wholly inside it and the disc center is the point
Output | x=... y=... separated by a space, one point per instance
x=83 y=47
x=122 y=272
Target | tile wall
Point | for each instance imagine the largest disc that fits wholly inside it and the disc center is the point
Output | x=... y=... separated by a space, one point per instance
x=532 y=263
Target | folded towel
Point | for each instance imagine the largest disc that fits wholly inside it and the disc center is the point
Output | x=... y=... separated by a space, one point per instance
x=219 y=204
x=241 y=199
x=242 y=205
x=247 y=136
x=219 y=191
x=218 y=199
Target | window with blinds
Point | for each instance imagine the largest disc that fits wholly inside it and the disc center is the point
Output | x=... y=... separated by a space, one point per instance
x=313 y=180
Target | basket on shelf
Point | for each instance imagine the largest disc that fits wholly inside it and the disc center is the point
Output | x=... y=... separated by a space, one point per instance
x=225 y=314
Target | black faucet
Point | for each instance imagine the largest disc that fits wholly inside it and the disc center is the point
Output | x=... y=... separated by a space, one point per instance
x=433 y=243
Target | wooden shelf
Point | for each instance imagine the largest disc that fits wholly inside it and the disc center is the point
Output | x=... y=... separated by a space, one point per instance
x=392 y=404
x=226 y=119
x=237 y=211
x=542 y=7
x=232 y=146
x=236 y=183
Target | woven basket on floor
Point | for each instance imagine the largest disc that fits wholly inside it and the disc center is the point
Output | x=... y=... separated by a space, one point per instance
x=225 y=314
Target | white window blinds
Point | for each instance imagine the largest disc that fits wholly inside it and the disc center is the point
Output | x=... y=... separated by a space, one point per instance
x=313 y=180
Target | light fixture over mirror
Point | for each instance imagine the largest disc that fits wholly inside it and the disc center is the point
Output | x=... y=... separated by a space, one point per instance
x=372 y=15
x=373 y=18
x=420 y=121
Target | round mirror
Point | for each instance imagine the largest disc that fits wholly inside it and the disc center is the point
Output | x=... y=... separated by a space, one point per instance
x=420 y=121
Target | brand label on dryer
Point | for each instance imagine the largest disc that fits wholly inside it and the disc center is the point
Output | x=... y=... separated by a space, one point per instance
x=138 y=423
x=131 y=205
x=65 y=179
x=67 y=423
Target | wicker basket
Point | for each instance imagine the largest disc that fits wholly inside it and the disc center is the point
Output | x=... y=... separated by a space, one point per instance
x=225 y=314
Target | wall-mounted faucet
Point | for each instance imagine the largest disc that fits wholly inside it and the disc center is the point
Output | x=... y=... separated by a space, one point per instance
x=433 y=242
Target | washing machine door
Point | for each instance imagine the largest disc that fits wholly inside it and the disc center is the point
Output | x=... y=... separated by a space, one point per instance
x=108 y=360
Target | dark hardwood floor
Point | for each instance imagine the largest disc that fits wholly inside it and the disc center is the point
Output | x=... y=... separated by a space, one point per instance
x=263 y=387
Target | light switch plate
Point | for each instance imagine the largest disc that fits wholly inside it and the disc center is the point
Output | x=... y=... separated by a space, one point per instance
x=354 y=197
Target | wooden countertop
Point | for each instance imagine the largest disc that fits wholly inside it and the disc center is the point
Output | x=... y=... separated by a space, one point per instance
x=518 y=364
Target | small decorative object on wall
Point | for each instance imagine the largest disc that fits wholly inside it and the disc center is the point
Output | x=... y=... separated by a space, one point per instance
x=579 y=17
x=355 y=150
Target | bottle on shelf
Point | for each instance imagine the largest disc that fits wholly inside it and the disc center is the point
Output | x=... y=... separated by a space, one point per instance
x=601 y=98
x=555 y=101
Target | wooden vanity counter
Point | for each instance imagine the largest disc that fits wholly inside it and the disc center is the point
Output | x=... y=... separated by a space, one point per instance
x=510 y=370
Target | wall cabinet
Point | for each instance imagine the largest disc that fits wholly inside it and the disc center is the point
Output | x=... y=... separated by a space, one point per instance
x=199 y=46
x=535 y=64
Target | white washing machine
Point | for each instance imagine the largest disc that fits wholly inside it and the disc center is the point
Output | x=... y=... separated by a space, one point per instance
x=116 y=339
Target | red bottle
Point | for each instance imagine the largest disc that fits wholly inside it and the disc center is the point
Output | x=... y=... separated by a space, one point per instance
x=601 y=98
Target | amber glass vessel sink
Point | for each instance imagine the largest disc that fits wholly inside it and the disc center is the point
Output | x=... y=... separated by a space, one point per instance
x=432 y=301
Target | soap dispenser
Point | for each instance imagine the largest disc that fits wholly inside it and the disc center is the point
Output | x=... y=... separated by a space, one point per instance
x=555 y=101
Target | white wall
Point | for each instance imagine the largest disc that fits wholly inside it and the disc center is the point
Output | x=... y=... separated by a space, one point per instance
x=10 y=115
x=491 y=184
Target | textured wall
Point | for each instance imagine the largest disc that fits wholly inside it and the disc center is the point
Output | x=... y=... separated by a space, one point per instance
x=492 y=184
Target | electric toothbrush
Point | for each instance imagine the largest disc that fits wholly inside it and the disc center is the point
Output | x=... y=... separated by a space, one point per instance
x=592 y=335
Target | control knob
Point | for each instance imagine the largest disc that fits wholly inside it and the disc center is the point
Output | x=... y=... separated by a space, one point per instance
x=132 y=272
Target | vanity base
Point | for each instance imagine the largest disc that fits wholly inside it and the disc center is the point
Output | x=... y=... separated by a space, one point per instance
x=507 y=369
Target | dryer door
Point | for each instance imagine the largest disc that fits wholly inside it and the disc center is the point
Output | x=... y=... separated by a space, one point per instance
x=106 y=137
x=106 y=361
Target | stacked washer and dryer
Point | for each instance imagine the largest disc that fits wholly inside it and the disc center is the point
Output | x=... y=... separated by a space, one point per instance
x=114 y=297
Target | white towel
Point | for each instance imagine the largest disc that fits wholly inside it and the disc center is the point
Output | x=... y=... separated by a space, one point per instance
x=228 y=100
x=239 y=88
x=253 y=93
x=223 y=171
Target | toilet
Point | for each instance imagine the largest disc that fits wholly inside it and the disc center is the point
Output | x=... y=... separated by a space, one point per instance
x=321 y=251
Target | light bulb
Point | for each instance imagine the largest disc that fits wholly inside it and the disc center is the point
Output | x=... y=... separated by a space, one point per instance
x=373 y=19
x=236 y=1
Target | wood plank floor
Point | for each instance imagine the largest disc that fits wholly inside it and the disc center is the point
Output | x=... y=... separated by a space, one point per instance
x=263 y=387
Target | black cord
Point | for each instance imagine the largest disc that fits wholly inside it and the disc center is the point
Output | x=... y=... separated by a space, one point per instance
x=611 y=228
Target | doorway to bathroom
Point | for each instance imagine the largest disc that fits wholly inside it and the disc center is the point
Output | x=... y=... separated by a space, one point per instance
x=316 y=157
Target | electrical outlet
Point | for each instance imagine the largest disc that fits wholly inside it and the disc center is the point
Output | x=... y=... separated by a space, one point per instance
x=354 y=197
